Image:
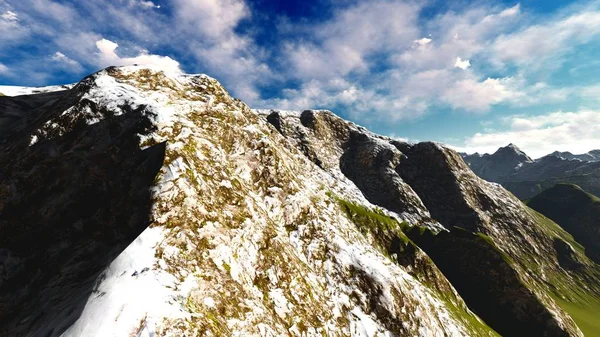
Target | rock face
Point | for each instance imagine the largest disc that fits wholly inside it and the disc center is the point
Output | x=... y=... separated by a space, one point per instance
x=143 y=203
x=525 y=177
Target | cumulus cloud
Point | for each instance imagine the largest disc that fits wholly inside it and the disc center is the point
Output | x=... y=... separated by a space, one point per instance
x=462 y=64
x=477 y=96
x=213 y=19
x=344 y=44
x=539 y=135
x=591 y=92
x=362 y=39
x=360 y=103
x=108 y=57
x=3 y=69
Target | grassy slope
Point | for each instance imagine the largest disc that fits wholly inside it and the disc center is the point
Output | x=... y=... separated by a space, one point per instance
x=579 y=299
x=563 y=201
x=585 y=313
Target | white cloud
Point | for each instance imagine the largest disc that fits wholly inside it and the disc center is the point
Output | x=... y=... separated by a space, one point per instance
x=149 y=4
x=539 y=135
x=3 y=69
x=66 y=62
x=212 y=19
x=359 y=103
x=233 y=58
x=475 y=96
x=55 y=12
x=462 y=64
x=11 y=30
x=512 y=11
x=344 y=44
x=461 y=34
x=548 y=40
x=424 y=41
x=361 y=38
x=107 y=56
x=9 y=16
x=591 y=92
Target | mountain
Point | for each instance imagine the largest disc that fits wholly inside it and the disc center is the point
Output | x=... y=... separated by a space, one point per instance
x=593 y=155
x=525 y=177
x=144 y=203
x=576 y=211
x=499 y=165
x=7 y=90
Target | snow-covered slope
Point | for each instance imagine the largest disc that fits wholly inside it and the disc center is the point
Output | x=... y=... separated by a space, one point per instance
x=8 y=90
x=257 y=223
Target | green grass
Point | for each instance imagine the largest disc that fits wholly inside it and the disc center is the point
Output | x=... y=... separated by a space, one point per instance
x=554 y=230
x=374 y=220
x=586 y=314
x=574 y=296
x=476 y=326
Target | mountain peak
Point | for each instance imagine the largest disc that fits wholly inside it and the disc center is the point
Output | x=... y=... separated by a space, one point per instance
x=513 y=151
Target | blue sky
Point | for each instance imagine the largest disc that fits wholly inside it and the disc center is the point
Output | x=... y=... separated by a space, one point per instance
x=473 y=74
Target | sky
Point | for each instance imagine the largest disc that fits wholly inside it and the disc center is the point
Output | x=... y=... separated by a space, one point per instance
x=476 y=75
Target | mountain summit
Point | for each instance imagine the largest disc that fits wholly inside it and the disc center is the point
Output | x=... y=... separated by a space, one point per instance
x=500 y=164
x=145 y=203
x=511 y=151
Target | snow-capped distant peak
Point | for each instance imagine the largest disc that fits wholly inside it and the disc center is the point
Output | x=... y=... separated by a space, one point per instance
x=7 y=90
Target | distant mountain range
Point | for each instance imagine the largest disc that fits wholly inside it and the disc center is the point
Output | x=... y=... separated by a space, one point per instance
x=593 y=155
x=526 y=177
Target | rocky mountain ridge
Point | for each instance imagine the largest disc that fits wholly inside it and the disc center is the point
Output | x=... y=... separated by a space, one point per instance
x=593 y=155
x=175 y=209
x=525 y=177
